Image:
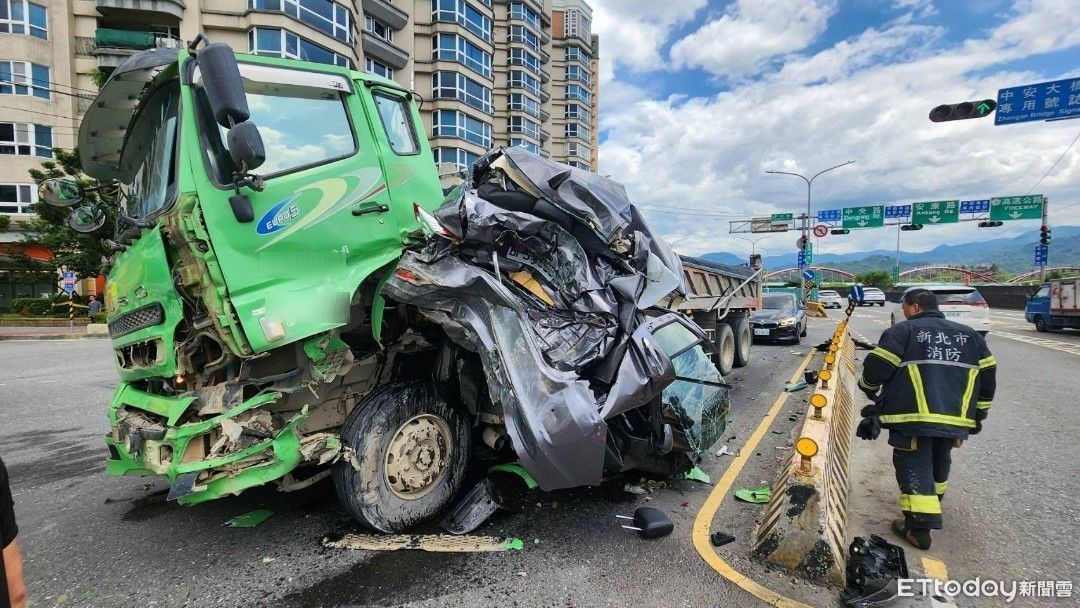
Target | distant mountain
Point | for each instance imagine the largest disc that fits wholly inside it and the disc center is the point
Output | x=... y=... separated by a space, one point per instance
x=1010 y=254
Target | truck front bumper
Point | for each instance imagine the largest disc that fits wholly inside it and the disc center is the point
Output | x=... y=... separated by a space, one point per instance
x=146 y=439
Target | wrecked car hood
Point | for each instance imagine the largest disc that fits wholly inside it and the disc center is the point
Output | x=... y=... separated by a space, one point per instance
x=553 y=278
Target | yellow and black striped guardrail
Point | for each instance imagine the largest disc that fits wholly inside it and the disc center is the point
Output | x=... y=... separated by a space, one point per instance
x=804 y=527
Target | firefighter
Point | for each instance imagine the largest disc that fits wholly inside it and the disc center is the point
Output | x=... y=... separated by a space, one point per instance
x=932 y=381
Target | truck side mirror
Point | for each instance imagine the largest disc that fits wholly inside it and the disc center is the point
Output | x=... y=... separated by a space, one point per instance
x=228 y=102
x=60 y=192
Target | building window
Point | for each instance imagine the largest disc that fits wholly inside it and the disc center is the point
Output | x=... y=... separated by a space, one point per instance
x=577 y=92
x=524 y=126
x=451 y=123
x=574 y=148
x=326 y=16
x=451 y=47
x=524 y=80
x=455 y=156
x=518 y=33
x=272 y=42
x=524 y=143
x=575 y=111
x=579 y=165
x=524 y=103
x=17 y=198
x=526 y=59
x=22 y=139
x=577 y=24
x=24 y=78
x=574 y=129
x=578 y=73
x=22 y=17
x=453 y=85
x=378 y=68
x=460 y=11
x=526 y=14
x=380 y=29
x=574 y=53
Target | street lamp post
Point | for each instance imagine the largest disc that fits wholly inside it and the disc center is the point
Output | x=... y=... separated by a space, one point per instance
x=809 y=214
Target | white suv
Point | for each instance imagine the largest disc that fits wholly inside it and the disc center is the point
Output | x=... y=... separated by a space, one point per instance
x=871 y=296
x=958 y=303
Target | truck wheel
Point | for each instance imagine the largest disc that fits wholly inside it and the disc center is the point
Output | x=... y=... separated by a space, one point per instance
x=725 y=349
x=1040 y=324
x=411 y=449
x=743 y=340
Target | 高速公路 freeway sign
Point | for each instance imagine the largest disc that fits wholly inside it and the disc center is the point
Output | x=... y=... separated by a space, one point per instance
x=935 y=212
x=864 y=217
x=1028 y=207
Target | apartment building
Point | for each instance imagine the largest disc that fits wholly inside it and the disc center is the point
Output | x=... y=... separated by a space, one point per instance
x=490 y=72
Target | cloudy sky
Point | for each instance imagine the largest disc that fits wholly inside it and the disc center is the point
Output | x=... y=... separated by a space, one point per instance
x=699 y=98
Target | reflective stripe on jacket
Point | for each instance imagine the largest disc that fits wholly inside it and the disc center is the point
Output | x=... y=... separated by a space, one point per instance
x=938 y=376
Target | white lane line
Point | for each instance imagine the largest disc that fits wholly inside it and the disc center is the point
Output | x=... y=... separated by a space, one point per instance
x=1065 y=347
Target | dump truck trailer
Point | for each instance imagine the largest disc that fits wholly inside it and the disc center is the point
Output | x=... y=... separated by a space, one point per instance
x=720 y=298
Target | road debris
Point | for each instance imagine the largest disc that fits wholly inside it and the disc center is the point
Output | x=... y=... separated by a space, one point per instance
x=758 y=495
x=798 y=386
x=725 y=451
x=648 y=522
x=249 y=520
x=473 y=509
x=438 y=543
x=873 y=568
x=719 y=539
x=696 y=474
x=634 y=489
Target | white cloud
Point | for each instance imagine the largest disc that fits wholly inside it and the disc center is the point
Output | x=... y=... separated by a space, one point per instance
x=633 y=32
x=866 y=98
x=742 y=41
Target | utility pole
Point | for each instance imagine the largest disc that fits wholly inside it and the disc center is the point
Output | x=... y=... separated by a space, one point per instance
x=896 y=271
x=1045 y=222
x=809 y=213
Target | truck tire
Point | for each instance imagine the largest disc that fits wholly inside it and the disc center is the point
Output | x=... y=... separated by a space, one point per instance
x=411 y=451
x=725 y=349
x=1040 y=324
x=743 y=340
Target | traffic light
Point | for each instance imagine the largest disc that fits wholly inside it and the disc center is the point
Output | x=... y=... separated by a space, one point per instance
x=911 y=227
x=961 y=111
x=990 y=224
x=840 y=231
x=1044 y=235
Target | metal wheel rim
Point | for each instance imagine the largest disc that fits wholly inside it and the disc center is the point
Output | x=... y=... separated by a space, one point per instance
x=418 y=456
x=727 y=350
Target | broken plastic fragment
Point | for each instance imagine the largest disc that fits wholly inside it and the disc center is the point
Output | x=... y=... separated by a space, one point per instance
x=696 y=474
x=758 y=495
x=249 y=520
x=515 y=468
x=798 y=386
x=632 y=489
x=514 y=544
x=472 y=510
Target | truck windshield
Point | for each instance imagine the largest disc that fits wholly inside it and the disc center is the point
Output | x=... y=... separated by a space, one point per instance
x=149 y=155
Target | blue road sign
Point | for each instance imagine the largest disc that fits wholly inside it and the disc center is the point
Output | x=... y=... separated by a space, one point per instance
x=802 y=259
x=897 y=211
x=979 y=206
x=1040 y=101
x=857 y=294
x=69 y=282
x=1042 y=254
x=808 y=274
x=830 y=215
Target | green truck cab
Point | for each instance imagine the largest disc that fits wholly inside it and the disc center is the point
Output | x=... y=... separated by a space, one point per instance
x=229 y=292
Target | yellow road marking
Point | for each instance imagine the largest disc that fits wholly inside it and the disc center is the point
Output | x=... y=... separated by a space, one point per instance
x=703 y=520
x=935 y=569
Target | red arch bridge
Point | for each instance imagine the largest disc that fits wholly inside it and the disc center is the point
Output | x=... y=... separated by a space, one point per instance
x=1034 y=274
x=927 y=274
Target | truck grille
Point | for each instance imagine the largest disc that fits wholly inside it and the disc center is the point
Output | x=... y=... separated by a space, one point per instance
x=148 y=316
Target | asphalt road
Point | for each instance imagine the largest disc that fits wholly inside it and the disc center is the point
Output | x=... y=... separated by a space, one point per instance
x=93 y=540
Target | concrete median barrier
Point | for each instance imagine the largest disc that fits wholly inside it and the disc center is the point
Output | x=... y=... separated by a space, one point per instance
x=805 y=523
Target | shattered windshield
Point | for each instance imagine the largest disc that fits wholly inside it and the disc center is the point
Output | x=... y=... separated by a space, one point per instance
x=698 y=399
x=151 y=152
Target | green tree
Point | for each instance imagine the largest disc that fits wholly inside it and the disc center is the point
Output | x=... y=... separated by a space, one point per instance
x=79 y=252
x=875 y=278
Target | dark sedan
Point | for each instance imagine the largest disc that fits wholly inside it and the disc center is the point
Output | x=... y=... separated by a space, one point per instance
x=782 y=317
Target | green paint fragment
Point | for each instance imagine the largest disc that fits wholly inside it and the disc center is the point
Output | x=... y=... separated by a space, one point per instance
x=696 y=474
x=515 y=468
x=514 y=544
x=249 y=520
x=758 y=495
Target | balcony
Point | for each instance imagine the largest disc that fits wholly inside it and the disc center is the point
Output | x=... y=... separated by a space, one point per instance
x=384 y=51
x=151 y=8
x=111 y=47
x=386 y=12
